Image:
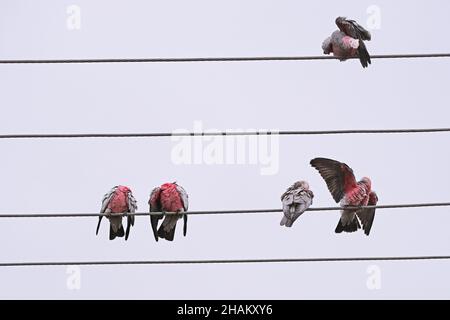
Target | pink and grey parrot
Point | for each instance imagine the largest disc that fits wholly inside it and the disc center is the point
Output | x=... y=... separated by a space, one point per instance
x=115 y=203
x=348 y=41
x=171 y=198
x=295 y=200
x=343 y=187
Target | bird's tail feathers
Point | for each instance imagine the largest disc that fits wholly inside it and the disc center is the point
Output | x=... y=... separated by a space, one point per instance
x=289 y=223
x=167 y=228
x=288 y=212
x=167 y=234
x=351 y=226
x=113 y=234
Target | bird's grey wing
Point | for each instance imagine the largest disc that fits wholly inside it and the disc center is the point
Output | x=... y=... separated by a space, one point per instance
x=302 y=201
x=353 y=29
x=337 y=175
x=106 y=199
x=361 y=33
x=132 y=203
x=288 y=192
x=366 y=216
x=132 y=208
x=154 y=200
x=345 y=26
x=363 y=54
x=155 y=206
x=295 y=201
x=287 y=200
x=184 y=197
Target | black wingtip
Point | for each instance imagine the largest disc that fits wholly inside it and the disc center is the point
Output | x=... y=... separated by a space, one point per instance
x=185 y=219
x=154 y=224
x=364 y=56
x=98 y=224
x=130 y=222
x=317 y=160
x=314 y=161
x=368 y=226
x=127 y=233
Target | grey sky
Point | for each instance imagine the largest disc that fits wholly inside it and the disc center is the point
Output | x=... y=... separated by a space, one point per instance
x=72 y=175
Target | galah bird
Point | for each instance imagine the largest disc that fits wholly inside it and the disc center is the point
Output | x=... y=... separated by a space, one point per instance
x=115 y=203
x=296 y=200
x=171 y=198
x=348 y=41
x=343 y=187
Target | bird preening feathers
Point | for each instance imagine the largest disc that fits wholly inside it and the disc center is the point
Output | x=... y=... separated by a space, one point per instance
x=295 y=200
x=345 y=189
x=173 y=199
x=117 y=202
x=348 y=41
x=170 y=199
x=170 y=202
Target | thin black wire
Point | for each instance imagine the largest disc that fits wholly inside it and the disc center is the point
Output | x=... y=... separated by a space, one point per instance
x=218 y=59
x=219 y=261
x=218 y=212
x=219 y=133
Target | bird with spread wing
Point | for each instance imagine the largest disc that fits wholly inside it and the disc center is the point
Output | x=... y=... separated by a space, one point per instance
x=343 y=187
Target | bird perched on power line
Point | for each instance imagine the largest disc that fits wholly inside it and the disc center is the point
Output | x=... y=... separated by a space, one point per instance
x=343 y=187
x=295 y=200
x=173 y=199
x=115 y=204
x=348 y=41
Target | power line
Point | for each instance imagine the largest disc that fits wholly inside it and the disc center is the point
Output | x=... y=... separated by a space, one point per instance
x=217 y=133
x=219 y=261
x=217 y=59
x=218 y=212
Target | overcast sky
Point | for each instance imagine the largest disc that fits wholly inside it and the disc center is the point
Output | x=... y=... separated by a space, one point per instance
x=72 y=175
